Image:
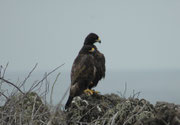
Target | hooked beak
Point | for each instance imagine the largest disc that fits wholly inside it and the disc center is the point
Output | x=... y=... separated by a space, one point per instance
x=98 y=40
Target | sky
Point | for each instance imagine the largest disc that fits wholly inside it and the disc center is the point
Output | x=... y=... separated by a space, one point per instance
x=135 y=35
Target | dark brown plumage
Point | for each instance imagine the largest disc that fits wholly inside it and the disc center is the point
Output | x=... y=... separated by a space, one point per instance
x=88 y=68
x=99 y=59
x=82 y=72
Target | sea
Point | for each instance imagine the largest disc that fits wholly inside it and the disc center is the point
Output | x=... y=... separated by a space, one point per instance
x=150 y=85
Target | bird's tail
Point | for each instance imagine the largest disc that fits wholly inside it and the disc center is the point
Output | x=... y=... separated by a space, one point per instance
x=68 y=102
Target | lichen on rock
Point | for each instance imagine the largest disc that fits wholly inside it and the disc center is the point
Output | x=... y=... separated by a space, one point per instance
x=23 y=109
x=108 y=109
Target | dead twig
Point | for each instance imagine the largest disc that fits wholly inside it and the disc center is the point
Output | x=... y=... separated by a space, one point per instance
x=28 y=76
x=135 y=94
x=123 y=95
x=44 y=93
x=33 y=110
x=5 y=69
x=3 y=72
x=57 y=107
x=3 y=95
x=51 y=100
x=113 y=118
x=1 y=67
x=87 y=113
x=46 y=89
x=45 y=78
x=11 y=84
x=135 y=114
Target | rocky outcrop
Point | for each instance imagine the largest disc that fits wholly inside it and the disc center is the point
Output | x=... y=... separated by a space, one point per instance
x=97 y=109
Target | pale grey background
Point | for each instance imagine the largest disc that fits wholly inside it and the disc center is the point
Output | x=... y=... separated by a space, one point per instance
x=137 y=36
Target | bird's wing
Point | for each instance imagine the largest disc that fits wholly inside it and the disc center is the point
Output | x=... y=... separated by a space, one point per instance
x=100 y=63
x=83 y=68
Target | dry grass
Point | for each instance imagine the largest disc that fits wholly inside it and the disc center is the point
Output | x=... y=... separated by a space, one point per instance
x=20 y=107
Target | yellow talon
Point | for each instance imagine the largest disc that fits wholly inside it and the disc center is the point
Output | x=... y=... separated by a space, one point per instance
x=88 y=91
x=91 y=92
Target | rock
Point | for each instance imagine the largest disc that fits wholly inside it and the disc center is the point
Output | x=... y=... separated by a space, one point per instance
x=23 y=109
x=108 y=109
x=168 y=112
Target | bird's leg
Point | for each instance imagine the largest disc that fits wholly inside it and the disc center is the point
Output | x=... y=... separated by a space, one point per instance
x=88 y=91
x=93 y=90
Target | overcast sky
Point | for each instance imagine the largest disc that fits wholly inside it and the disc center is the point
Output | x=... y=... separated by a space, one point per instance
x=136 y=34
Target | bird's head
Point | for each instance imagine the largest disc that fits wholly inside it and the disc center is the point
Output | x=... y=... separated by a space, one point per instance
x=91 y=39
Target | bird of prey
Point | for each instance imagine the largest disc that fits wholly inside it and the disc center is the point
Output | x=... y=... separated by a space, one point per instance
x=82 y=73
x=99 y=59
